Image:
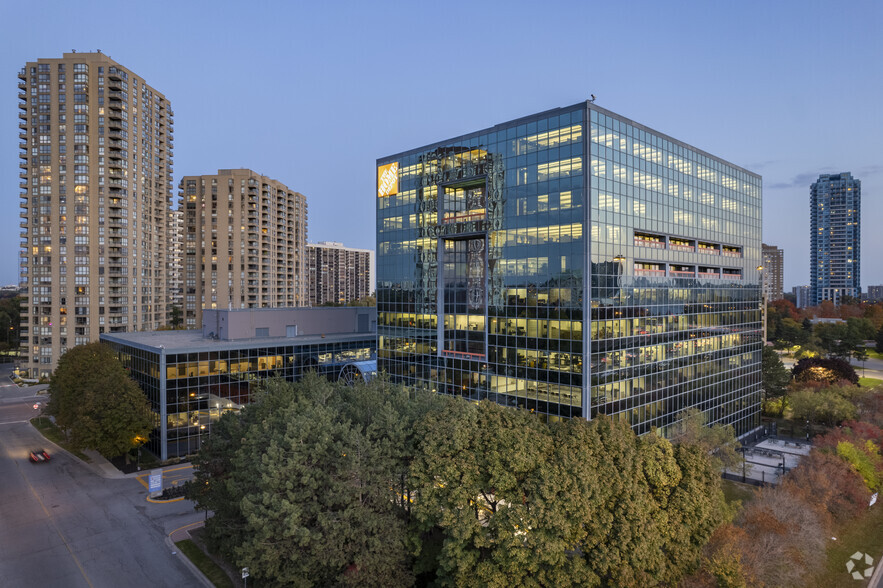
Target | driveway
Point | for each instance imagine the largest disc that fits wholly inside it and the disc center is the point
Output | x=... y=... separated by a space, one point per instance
x=63 y=524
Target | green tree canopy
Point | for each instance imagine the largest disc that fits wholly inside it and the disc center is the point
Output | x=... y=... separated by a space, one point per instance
x=319 y=484
x=774 y=374
x=718 y=441
x=307 y=483
x=517 y=502
x=96 y=403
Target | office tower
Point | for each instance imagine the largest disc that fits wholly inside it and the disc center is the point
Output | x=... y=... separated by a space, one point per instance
x=802 y=296
x=573 y=263
x=339 y=274
x=835 y=238
x=96 y=150
x=773 y=268
x=176 y=261
x=244 y=243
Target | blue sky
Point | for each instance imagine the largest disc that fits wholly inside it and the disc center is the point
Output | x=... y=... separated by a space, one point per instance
x=311 y=93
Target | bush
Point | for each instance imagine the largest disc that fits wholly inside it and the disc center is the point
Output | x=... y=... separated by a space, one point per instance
x=827 y=405
x=827 y=370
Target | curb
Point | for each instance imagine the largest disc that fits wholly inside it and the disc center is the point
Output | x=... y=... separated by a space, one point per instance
x=186 y=560
x=875 y=582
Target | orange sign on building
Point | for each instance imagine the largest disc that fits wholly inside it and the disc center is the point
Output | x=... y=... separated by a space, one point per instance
x=388 y=179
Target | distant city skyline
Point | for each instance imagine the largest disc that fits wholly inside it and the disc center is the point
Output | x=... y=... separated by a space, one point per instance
x=322 y=91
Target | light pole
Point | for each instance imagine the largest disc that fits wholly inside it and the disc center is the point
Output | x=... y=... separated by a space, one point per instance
x=763 y=309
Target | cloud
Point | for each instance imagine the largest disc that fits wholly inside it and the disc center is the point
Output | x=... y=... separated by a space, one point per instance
x=805 y=179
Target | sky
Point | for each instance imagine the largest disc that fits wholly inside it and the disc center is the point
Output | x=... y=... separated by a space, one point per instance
x=312 y=93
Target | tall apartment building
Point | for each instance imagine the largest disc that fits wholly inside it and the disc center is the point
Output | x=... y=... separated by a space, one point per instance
x=835 y=238
x=245 y=241
x=339 y=274
x=176 y=260
x=875 y=294
x=96 y=150
x=773 y=270
x=801 y=296
x=573 y=263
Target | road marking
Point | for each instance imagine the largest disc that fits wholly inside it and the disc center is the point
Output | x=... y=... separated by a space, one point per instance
x=52 y=520
x=141 y=477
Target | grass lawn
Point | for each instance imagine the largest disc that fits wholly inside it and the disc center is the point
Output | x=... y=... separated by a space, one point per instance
x=215 y=574
x=865 y=535
x=874 y=353
x=869 y=382
x=48 y=429
x=736 y=492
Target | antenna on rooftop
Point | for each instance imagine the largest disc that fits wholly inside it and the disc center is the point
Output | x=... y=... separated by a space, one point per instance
x=593 y=98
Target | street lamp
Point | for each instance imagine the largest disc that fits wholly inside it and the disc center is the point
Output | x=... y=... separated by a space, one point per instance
x=763 y=302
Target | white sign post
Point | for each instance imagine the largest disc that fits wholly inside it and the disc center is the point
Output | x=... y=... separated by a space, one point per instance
x=244 y=576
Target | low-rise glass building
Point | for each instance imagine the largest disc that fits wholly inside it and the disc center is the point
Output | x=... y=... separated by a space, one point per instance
x=192 y=377
x=573 y=263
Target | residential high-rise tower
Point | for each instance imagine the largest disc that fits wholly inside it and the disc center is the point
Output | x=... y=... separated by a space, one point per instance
x=573 y=263
x=96 y=150
x=773 y=269
x=835 y=238
x=244 y=243
x=339 y=274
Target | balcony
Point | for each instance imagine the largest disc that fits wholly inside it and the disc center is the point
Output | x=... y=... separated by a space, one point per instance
x=647 y=242
x=22 y=96
x=731 y=252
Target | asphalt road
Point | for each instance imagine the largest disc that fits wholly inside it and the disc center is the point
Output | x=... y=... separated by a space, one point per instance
x=62 y=524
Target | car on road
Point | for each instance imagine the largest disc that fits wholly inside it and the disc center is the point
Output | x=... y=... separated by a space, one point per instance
x=39 y=456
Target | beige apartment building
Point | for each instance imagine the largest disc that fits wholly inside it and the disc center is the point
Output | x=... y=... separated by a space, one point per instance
x=773 y=272
x=175 y=281
x=96 y=168
x=244 y=243
x=339 y=274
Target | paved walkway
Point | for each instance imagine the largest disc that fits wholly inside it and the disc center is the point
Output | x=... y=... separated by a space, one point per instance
x=766 y=461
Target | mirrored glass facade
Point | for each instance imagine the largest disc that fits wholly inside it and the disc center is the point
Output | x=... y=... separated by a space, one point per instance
x=573 y=263
x=192 y=383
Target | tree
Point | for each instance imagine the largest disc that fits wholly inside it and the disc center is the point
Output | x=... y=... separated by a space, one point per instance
x=514 y=501
x=306 y=481
x=10 y=318
x=176 y=316
x=828 y=370
x=96 y=404
x=822 y=404
x=784 y=540
x=879 y=339
x=775 y=376
x=826 y=481
x=718 y=441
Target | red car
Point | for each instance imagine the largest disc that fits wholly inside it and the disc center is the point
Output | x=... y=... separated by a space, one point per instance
x=39 y=456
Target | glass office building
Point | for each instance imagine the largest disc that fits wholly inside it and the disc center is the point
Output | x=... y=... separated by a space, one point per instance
x=573 y=263
x=191 y=378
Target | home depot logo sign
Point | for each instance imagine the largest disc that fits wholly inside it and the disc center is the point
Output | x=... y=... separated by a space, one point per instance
x=388 y=179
